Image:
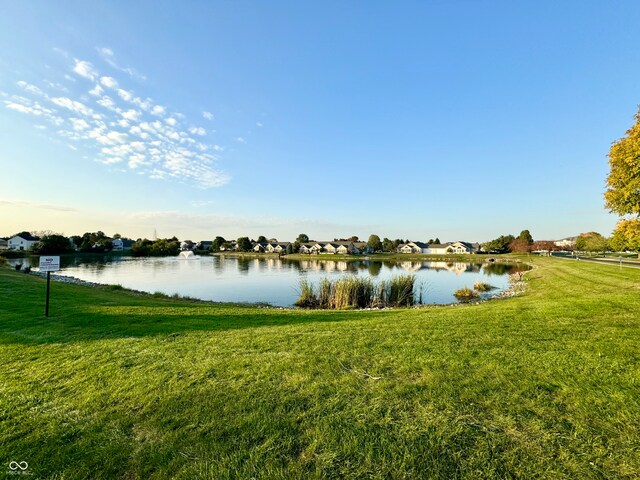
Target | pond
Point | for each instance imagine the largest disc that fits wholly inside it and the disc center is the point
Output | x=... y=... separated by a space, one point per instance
x=272 y=280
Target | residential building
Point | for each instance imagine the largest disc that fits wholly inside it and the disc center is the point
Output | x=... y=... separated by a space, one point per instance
x=439 y=248
x=22 y=241
x=121 y=244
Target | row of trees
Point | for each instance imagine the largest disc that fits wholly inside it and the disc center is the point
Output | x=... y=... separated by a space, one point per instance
x=523 y=243
x=91 y=242
x=161 y=247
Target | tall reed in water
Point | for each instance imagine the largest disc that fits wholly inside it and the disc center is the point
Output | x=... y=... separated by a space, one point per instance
x=357 y=292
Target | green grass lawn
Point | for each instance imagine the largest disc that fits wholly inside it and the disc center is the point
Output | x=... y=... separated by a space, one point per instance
x=114 y=385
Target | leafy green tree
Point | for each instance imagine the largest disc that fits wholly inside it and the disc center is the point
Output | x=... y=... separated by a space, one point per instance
x=525 y=236
x=592 y=242
x=217 y=243
x=626 y=236
x=302 y=238
x=262 y=239
x=76 y=240
x=437 y=241
x=397 y=242
x=96 y=242
x=50 y=244
x=374 y=243
x=165 y=247
x=623 y=188
x=499 y=245
x=244 y=244
x=162 y=247
x=623 y=183
x=387 y=245
x=141 y=248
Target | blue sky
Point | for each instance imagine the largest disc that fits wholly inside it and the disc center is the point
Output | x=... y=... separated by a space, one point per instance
x=458 y=120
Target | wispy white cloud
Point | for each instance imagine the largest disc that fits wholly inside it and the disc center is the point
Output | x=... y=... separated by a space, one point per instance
x=79 y=124
x=45 y=206
x=96 y=91
x=109 y=57
x=73 y=105
x=158 y=110
x=125 y=129
x=259 y=124
x=109 y=82
x=125 y=95
x=18 y=107
x=29 y=88
x=85 y=69
x=208 y=115
x=132 y=115
x=197 y=131
x=241 y=140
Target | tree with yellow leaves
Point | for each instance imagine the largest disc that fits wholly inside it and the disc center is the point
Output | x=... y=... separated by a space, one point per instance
x=623 y=188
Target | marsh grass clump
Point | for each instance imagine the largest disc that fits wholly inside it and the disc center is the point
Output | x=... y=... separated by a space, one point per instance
x=399 y=291
x=307 y=298
x=465 y=295
x=325 y=293
x=479 y=286
x=357 y=292
x=353 y=292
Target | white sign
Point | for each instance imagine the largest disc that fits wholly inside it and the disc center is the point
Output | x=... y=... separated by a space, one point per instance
x=49 y=264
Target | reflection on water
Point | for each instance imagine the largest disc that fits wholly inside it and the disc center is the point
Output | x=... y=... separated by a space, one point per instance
x=271 y=280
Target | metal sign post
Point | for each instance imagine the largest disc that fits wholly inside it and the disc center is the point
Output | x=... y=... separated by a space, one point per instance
x=49 y=264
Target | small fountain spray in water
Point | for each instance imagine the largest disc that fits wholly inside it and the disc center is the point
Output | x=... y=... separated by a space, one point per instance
x=186 y=255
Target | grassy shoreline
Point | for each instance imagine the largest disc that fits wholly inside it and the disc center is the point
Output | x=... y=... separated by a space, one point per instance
x=542 y=385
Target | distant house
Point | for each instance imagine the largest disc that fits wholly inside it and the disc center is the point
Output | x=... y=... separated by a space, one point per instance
x=566 y=242
x=121 y=244
x=22 y=241
x=4 y=243
x=259 y=247
x=464 y=247
x=413 y=247
x=186 y=245
x=277 y=247
x=204 y=245
x=306 y=248
x=332 y=248
x=439 y=248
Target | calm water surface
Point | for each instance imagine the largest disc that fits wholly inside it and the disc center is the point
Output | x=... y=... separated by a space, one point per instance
x=271 y=280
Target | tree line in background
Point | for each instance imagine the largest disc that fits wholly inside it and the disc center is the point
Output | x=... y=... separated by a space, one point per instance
x=98 y=242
